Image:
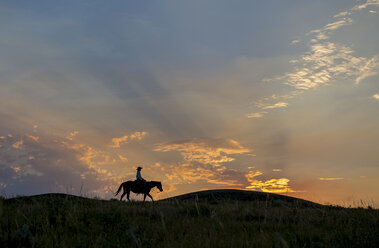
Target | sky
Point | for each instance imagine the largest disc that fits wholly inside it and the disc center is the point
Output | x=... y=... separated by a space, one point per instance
x=274 y=96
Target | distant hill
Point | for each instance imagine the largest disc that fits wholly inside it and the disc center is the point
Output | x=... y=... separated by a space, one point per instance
x=244 y=195
x=205 y=195
x=50 y=196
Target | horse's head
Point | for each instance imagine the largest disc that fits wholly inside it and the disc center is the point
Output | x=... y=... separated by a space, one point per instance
x=159 y=186
x=156 y=184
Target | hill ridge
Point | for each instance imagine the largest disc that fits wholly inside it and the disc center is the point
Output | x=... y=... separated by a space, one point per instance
x=240 y=195
x=202 y=195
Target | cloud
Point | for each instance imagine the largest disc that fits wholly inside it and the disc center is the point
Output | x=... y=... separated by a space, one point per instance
x=72 y=135
x=51 y=165
x=295 y=41
x=279 y=185
x=375 y=96
x=205 y=150
x=26 y=170
x=34 y=138
x=122 y=158
x=366 y=4
x=320 y=36
x=98 y=160
x=276 y=105
x=85 y=153
x=118 y=141
x=256 y=115
x=337 y=24
x=328 y=29
x=330 y=178
x=324 y=62
x=204 y=162
x=18 y=144
x=187 y=173
x=344 y=13
x=367 y=70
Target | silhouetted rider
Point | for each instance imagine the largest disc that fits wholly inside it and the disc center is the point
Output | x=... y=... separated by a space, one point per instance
x=138 y=176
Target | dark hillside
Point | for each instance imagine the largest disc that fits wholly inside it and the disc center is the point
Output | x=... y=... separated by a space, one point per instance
x=244 y=195
x=221 y=218
x=48 y=197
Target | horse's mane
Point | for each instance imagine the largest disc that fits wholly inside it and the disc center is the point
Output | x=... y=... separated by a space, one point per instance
x=155 y=182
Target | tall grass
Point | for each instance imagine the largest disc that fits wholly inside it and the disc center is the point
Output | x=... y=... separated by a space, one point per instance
x=62 y=221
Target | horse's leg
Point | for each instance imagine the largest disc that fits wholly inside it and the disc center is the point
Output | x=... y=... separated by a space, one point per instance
x=144 y=197
x=122 y=195
x=123 y=191
x=128 y=194
x=150 y=197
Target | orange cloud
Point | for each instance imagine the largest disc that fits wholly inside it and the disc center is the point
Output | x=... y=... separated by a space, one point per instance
x=276 y=105
x=27 y=170
x=187 y=173
x=93 y=159
x=122 y=158
x=205 y=150
x=256 y=115
x=279 y=185
x=330 y=178
x=87 y=154
x=18 y=144
x=117 y=141
x=34 y=138
x=72 y=135
x=97 y=159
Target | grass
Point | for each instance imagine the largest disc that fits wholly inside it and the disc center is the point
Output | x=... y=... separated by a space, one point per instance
x=68 y=221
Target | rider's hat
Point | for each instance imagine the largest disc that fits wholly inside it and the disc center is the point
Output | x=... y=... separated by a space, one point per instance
x=139 y=168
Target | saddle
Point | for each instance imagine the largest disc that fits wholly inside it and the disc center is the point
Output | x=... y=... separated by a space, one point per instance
x=139 y=186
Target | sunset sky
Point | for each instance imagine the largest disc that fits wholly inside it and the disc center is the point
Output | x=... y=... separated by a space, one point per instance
x=275 y=96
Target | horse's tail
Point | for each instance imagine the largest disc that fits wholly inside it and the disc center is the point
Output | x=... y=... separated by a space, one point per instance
x=119 y=188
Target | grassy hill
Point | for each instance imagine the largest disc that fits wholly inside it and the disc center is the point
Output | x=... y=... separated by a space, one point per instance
x=244 y=195
x=221 y=218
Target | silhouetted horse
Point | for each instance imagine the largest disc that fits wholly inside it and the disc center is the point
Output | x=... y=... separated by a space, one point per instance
x=138 y=188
